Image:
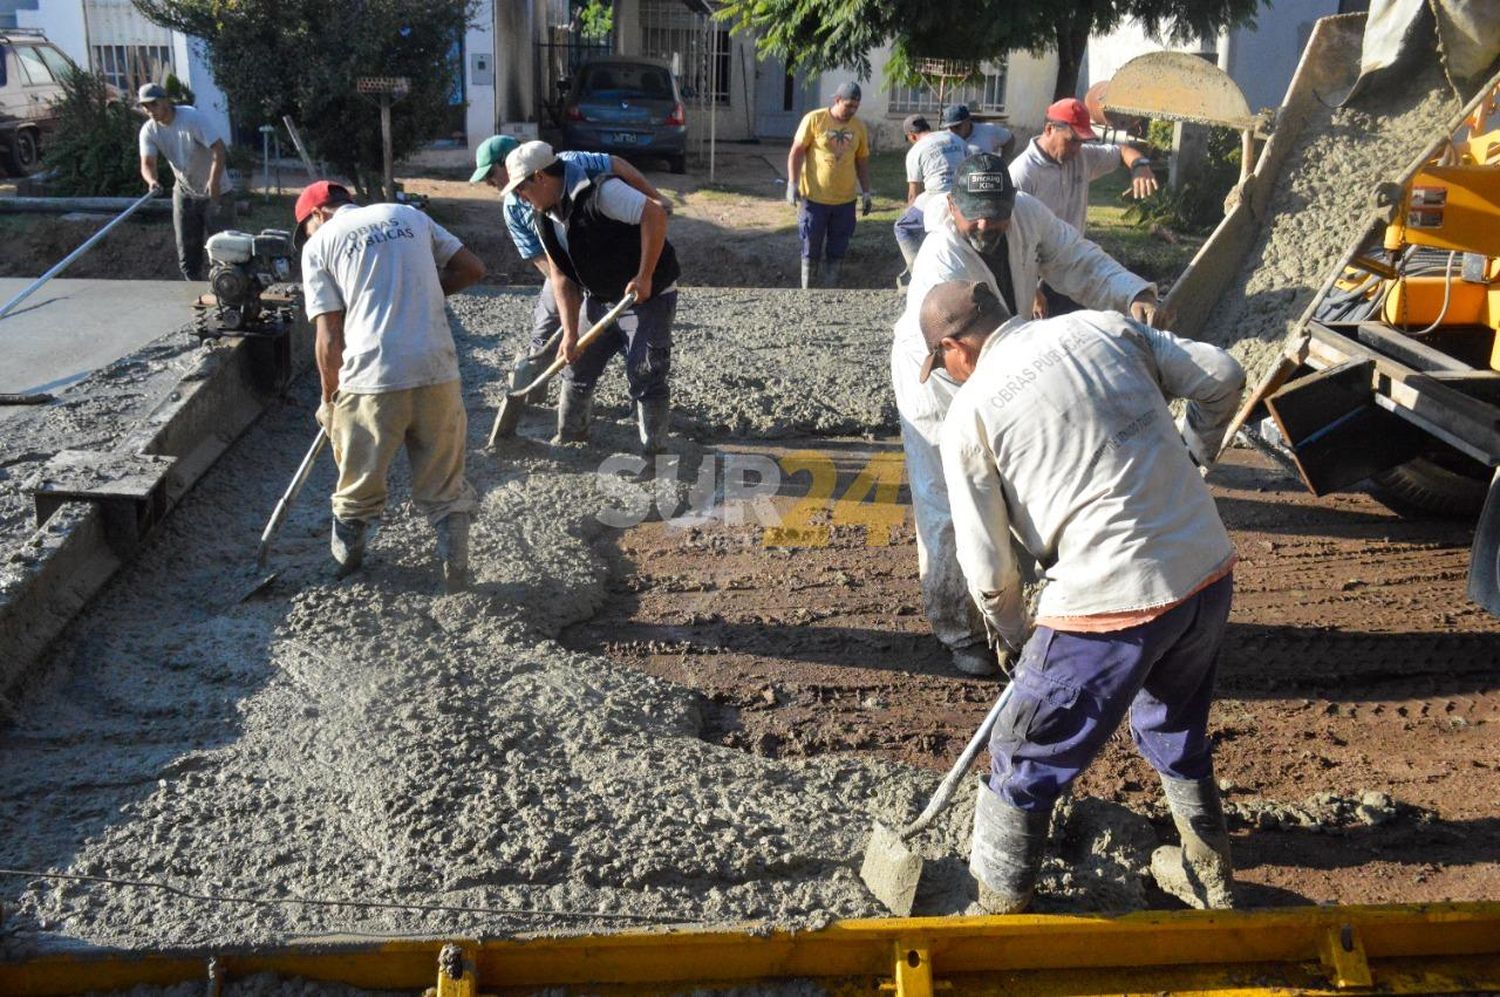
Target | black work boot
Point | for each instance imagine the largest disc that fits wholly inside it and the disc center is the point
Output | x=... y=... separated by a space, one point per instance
x=1006 y=852
x=348 y=545
x=574 y=410
x=1199 y=871
x=453 y=551
x=653 y=417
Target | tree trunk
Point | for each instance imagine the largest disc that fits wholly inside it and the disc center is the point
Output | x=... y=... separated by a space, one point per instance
x=1073 y=33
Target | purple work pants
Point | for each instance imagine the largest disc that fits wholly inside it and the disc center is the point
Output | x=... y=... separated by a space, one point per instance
x=825 y=224
x=1073 y=689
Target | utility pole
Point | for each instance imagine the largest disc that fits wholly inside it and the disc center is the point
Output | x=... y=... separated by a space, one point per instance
x=387 y=90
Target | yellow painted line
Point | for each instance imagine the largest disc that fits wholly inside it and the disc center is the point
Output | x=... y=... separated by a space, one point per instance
x=1400 y=949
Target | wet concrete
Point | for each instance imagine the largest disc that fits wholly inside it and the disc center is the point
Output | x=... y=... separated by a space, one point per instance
x=69 y=328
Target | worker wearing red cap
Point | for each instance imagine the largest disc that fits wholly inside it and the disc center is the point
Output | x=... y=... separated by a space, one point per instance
x=374 y=279
x=1057 y=167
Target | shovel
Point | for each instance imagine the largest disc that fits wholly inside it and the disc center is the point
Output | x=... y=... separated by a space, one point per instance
x=891 y=870
x=509 y=415
x=284 y=506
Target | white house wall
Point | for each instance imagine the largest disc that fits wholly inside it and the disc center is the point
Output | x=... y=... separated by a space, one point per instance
x=63 y=25
x=480 y=75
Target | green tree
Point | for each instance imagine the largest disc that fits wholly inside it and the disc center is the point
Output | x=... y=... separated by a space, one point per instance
x=812 y=36
x=304 y=57
x=93 y=152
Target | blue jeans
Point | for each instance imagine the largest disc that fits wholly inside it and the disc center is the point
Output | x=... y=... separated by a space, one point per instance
x=820 y=224
x=1073 y=689
x=910 y=231
x=642 y=333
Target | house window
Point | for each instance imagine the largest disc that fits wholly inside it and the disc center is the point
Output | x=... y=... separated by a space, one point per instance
x=694 y=45
x=128 y=66
x=987 y=94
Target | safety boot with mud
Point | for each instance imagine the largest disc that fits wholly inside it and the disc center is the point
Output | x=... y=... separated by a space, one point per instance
x=1199 y=871
x=809 y=274
x=574 y=410
x=832 y=271
x=653 y=418
x=453 y=551
x=975 y=659
x=1006 y=852
x=348 y=545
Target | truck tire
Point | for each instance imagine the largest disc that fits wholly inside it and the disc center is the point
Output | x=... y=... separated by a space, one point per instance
x=1442 y=481
x=25 y=152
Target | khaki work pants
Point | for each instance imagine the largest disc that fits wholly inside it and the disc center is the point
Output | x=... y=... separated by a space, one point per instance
x=367 y=430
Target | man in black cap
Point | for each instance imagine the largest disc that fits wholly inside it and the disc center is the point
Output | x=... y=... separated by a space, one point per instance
x=986 y=231
x=979 y=136
x=835 y=148
x=930 y=163
x=194 y=149
x=1060 y=440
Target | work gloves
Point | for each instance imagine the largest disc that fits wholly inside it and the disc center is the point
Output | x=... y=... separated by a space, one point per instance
x=791 y=193
x=324 y=414
x=866 y=202
x=1148 y=311
x=157 y=190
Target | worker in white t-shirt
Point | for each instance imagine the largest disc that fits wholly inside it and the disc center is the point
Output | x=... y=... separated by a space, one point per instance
x=980 y=136
x=930 y=163
x=374 y=279
x=195 y=151
x=1057 y=167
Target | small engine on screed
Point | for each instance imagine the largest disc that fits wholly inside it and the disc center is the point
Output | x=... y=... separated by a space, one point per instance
x=252 y=281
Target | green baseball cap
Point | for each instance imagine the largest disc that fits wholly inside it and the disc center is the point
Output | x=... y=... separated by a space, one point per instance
x=492 y=151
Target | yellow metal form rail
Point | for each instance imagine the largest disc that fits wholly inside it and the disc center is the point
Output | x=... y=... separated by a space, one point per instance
x=1442 y=948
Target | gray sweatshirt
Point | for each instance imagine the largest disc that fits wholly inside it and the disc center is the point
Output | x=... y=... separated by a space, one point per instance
x=1062 y=436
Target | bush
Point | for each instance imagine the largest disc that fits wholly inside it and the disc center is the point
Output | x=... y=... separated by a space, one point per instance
x=93 y=152
x=1198 y=205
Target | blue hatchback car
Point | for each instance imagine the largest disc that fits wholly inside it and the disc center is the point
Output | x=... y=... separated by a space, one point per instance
x=628 y=106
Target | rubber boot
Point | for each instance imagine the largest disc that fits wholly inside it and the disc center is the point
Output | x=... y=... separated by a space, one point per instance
x=348 y=545
x=574 y=409
x=453 y=551
x=910 y=256
x=1199 y=871
x=831 y=273
x=1006 y=852
x=653 y=417
x=975 y=659
x=809 y=274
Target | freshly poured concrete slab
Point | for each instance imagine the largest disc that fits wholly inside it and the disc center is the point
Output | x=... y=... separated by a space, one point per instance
x=70 y=328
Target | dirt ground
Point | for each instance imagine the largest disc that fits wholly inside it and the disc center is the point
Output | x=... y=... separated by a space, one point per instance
x=1354 y=667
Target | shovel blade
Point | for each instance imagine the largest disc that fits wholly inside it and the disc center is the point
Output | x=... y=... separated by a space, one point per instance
x=507 y=418
x=891 y=870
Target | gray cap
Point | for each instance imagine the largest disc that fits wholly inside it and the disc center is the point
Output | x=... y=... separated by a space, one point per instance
x=915 y=124
x=151 y=92
x=955 y=114
x=982 y=187
x=847 y=91
x=953 y=309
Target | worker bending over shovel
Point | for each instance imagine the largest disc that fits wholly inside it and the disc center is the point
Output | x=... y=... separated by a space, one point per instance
x=1060 y=437
x=603 y=240
x=983 y=230
x=489 y=168
x=374 y=279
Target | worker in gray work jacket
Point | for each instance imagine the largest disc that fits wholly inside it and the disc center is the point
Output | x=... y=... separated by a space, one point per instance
x=604 y=239
x=195 y=151
x=1059 y=439
x=982 y=230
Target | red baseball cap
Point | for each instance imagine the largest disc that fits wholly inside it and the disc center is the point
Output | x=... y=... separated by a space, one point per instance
x=1071 y=112
x=317 y=195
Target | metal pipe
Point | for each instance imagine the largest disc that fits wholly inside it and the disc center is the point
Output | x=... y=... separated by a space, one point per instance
x=66 y=260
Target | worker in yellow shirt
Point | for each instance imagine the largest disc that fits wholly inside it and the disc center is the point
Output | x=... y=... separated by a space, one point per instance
x=833 y=144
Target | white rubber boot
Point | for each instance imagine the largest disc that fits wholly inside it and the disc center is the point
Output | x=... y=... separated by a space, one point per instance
x=1005 y=854
x=1199 y=871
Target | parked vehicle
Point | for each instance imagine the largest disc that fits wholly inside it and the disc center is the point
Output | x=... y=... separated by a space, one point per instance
x=627 y=106
x=31 y=73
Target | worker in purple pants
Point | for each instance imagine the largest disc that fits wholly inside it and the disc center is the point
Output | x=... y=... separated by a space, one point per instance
x=827 y=167
x=1060 y=439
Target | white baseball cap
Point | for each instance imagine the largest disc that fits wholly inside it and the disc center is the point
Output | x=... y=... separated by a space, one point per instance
x=525 y=160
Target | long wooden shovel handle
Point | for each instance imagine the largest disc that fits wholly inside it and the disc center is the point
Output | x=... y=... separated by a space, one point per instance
x=950 y=781
x=584 y=342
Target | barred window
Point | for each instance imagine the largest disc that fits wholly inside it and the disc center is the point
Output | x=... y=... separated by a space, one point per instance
x=984 y=95
x=128 y=66
x=695 y=45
